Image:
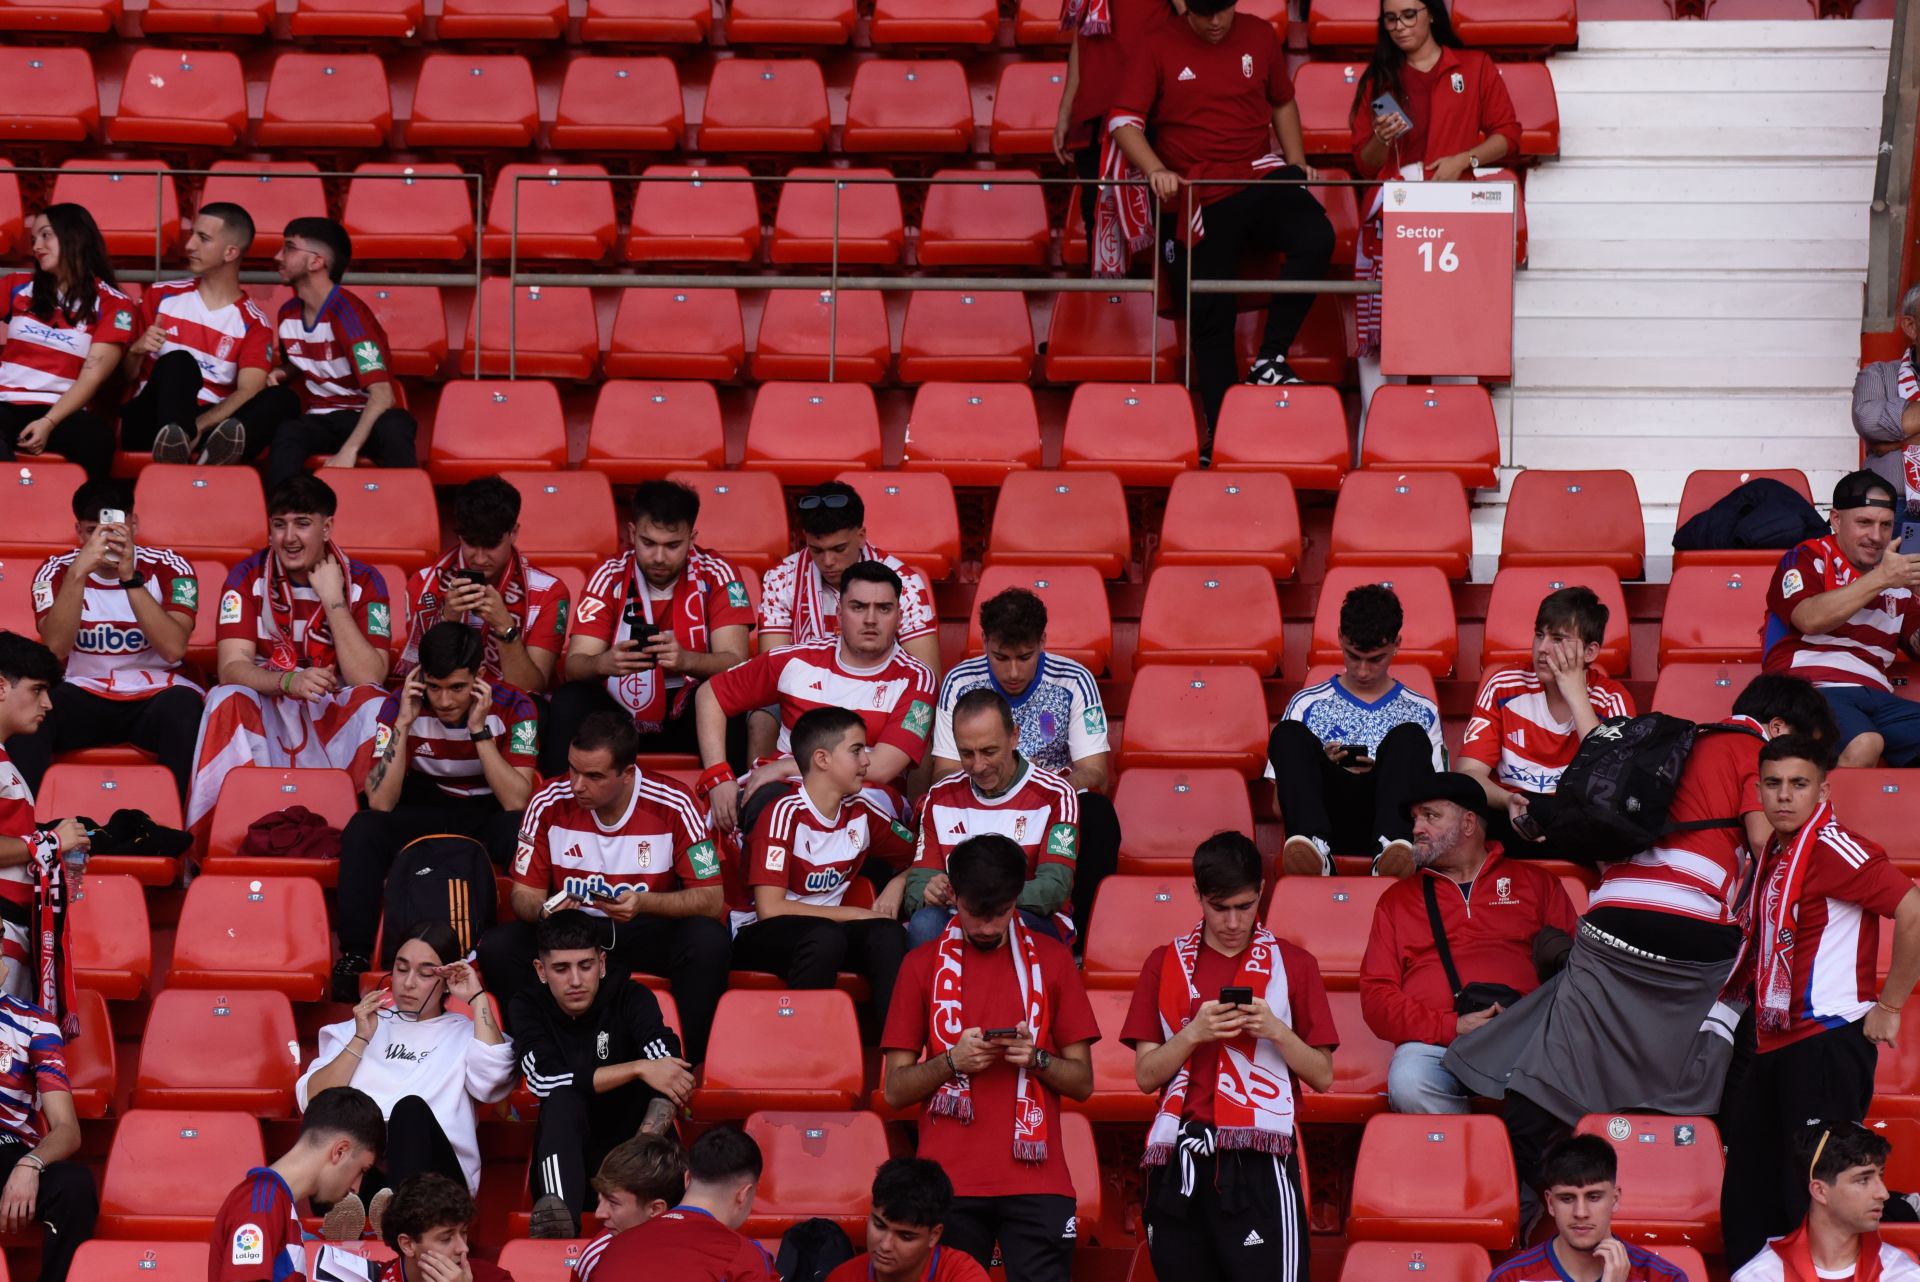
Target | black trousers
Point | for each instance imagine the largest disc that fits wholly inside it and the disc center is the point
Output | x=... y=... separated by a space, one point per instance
x=1267 y=215
x=808 y=952
x=172 y=395
x=1531 y=1131
x=575 y=701
x=1350 y=812
x=1828 y=1077
x=1086 y=166
x=372 y=838
x=291 y=436
x=82 y=437
x=416 y=1145
x=575 y=1130
x=165 y=724
x=66 y=1209
x=1036 y=1231
x=1245 y=1220
x=1099 y=853
x=692 y=952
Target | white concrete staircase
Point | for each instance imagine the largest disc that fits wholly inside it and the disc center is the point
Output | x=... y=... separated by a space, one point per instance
x=1697 y=258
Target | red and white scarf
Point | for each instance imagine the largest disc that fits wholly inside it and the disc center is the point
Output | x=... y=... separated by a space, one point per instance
x=513 y=591
x=53 y=984
x=1775 y=920
x=1123 y=214
x=1909 y=387
x=955 y=1097
x=277 y=611
x=645 y=693
x=1796 y=1257
x=1088 y=17
x=1253 y=1093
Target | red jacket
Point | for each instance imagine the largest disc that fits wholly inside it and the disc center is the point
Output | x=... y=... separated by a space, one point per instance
x=1404 y=992
x=1453 y=122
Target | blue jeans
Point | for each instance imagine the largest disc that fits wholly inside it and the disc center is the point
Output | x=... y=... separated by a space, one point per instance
x=929 y=922
x=1869 y=710
x=1416 y=1083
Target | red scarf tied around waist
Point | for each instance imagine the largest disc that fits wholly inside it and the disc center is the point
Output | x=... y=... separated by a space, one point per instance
x=955 y=1097
x=1123 y=215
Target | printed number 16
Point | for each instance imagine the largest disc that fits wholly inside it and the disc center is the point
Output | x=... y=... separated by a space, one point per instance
x=1449 y=261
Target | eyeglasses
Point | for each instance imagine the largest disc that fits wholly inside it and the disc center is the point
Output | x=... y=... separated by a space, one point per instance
x=814 y=502
x=1404 y=18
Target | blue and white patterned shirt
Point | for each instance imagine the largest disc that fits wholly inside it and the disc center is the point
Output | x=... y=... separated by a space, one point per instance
x=1335 y=715
x=1059 y=715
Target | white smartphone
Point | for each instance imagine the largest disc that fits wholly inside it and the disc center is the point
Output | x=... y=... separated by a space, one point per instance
x=112 y=516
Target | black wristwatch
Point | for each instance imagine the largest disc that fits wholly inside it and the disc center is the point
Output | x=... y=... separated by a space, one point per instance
x=139 y=580
x=482 y=735
x=508 y=637
x=1040 y=1061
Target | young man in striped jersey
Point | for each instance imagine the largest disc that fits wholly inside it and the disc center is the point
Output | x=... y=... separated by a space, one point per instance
x=38 y=1130
x=1580 y=1189
x=639 y=1179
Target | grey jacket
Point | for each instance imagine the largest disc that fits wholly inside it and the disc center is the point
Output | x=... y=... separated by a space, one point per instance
x=1877 y=407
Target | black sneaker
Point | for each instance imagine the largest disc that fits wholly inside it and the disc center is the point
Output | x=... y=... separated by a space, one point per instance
x=225 y=443
x=346 y=977
x=172 y=444
x=1272 y=373
x=552 y=1218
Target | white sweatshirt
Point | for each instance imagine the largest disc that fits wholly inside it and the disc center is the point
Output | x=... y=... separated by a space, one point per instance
x=440 y=1060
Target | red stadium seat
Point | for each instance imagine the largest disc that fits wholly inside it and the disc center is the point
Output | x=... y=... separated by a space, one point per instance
x=247 y=794
x=1299 y=431
x=120 y=196
x=1516 y=598
x=1231 y=518
x=59 y=16
x=950 y=335
x=550 y=329
x=1427 y=638
x=565 y=211
x=1530 y=24
x=618 y=104
x=1343 y=211
x=503 y=20
x=1562 y=518
x=202 y=644
x=109 y=945
x=658 y=22
x=899 y=105
x=1324 y=92
x=92 y=1066
x=1132 y=916
x=1330 y=917
x=1061 y=518
x=202 y=511
x=974 y=433
x=1079 y=625
x=1874 y=801
x=1429 y=1261
x=1026 y=106
x=1701 y=691
x=1406 y=518
x=1896 y=1078
x=1530 y=86
x=984 y=219
x=236 y=1050
x=54 y=99
x=816 y=1163
x=16 y=596
x=188 y=98
x=1359 y=1087
x=1349 y=24
x=677 y=333
x=765 y=104
x=233 y=936
x=473 y=100
x=39 y=507
x=643 y=430
x=1083 y=1167
x=934 y=22
x=1105 y=338
x=1442 y=428
x=1164 y=814
x=863 y=203
x=1116 y=1096
x=500 y=425
x=790 y=22
x=1708 y=486
x=170 y=1169
x=378 y=19
x=566 y=518
x=699 y=219
x=95 y=792
x=101 y=1260
x=207 y=17
x=1186 y=718
x=1144 y=434
x=1670 y=1169
x=415 y=320
x=1272 y=12
x=787 y=1050
x=913 y=516
x=1713 y=615
x=804 y=433
x=1434 y=1178
x=796 y=326
x=409 y=211
x=274 y=193
x=388 y=515
x=1211 y=614
x=743 y=516
x=541 y=1260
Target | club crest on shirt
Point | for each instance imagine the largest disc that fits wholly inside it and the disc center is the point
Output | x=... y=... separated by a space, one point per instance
x=249 y=1245
x=224 y=348
x=1246 y=65
x=230 y=606
x=43 y=596
x=602 y=1046
x=1459 y=83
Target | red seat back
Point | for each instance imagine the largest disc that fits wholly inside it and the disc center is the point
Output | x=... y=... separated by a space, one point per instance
x=170 y=1169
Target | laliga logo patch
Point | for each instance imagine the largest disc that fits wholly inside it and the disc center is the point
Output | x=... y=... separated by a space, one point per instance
x=249 y=1245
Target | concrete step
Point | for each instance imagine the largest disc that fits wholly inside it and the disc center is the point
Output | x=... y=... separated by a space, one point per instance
x=1728 y=419
x=1631 y=182
x=1811 y=372
x=1826 y=220
x=1557 y=294
x=1788 y=113
x=1745 y=142
x=1574 y=253
x=1664 y=338
x=1714 y=71
x=1774 y=39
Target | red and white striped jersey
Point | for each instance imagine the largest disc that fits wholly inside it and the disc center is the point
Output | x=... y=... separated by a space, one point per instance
x=32 y=1061
x=1040 y=813
x=707 y=596
x=894 y=699
x=536 y=600
x=590 y=1256
x=794 y=598
x=1855 y=653
x=448 y=756
x=1514 y=734
x=112 y=656
x=222 y=340
x=16 y=820
x=300 y=635
x=342 y=354
x=660 y=843
x=42 y=359
x=814 y=857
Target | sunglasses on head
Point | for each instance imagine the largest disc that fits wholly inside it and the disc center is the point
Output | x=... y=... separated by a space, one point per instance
x=1404 y=17
x=814 y=502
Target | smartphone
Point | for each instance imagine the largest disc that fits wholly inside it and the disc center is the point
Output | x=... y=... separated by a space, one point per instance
x=638 y=628
x=474 y=577
x=611 y=894
x=112 y=516
x=1355 y=752
x=553 y=905
x=1000 y=1034
x=1387 y=105
x=1241 y=996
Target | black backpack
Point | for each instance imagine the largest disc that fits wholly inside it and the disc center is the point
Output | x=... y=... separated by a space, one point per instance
x=440 y=878
x=812 y=1249
x=1613 y=799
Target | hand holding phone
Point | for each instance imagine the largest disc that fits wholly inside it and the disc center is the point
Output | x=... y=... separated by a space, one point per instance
x=1236 y=995
x=1000 y=1034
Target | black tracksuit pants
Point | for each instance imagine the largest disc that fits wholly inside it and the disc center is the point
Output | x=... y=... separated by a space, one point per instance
x=1244 y=1221
x=1351 y=812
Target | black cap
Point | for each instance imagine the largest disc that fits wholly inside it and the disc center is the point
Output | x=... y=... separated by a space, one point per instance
x=1856 y=489
x=1450 y=785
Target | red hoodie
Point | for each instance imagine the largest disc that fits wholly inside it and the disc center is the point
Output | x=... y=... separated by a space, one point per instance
x=1404 y=992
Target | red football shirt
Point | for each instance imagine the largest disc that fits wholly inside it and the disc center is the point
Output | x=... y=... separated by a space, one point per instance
x=257 y=1235
x=978 y=1155
x=339 y=356
x=813 y=856
x=686 y=1245
x=1513 y=733
x=41 y=359
x=894 y=698
x=945 y=1265
x=1857 y=652
x=660 y=843
x=222 y=340
x=300 y=637
x=1204 y=103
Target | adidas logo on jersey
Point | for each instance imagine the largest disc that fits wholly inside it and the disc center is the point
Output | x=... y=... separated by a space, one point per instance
x=817 y=686
x=1517 y=737
x=959 y=829
x=1186 y=73
x=1254 y=1238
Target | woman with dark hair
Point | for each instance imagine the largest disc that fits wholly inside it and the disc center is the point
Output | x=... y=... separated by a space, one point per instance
x=67 y=324
x=425 y=1065
x=1426 y=108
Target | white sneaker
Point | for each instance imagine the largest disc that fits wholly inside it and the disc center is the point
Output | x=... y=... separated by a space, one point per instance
x=1306 y=857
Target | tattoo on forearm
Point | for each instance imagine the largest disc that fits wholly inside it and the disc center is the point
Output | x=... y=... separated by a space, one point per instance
x=378 y=775
x=658 y=1119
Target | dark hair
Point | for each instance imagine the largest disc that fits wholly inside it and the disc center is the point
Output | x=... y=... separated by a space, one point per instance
x=665 y=503
x=722 y=1155
x=348 y=1111
x=1790 y=699
x=567 y=931
x=24 y=659
x=237 y=222
x=423 y=1203
x=1226 y=864
x=1577 y=1161
x=440 y=937
x=1015 y=617
x=984 y=699
x=818 y=728
x=450 y=646
x=612 y=731
x=987 y=872
x=871 y=572
x=84 y=266
x=647 y=1166
x=913 y=1190
x=102 y=492
x=331 y=237
x=305 y=493
x=485 y=510
x=1847 y=1145
x=1370 y=617
x=1383 y=70
x=820 y=520
x=1577 y=609
x=1798 y=747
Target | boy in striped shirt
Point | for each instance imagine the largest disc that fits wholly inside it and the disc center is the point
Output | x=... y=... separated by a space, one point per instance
x=38 y=1129
x=638 y=1179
